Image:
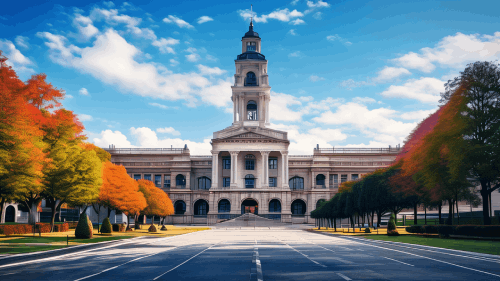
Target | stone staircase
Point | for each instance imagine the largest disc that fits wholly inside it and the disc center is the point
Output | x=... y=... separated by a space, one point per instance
x=251 y=220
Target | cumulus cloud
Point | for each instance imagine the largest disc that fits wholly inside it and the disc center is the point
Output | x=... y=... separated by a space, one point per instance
x=454 y=51
x=83 y=92
x=15 y=58
x=297 y=22
x=168 y=130
x=283 y=15
x=350 y=84
x=292 y=32
x=85 y=117
x=286 y=107
x=111 y=59
x=336 y=37
x=108 y=137
x=177 y=21
x=132 y=23
x=147 y=138
x=204 y=19
x=205 y=70
x=173 y=62
x=417 y=115
x=315 y=78
x=425 y=89
x=162 y=106
x=390 y=73
x=363 y=100
x=295 y=54
x=85 y=26
x=304 y=143
x=194 y=57
x=164 y=45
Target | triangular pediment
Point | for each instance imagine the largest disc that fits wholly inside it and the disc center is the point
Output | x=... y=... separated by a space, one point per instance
x=257 y=133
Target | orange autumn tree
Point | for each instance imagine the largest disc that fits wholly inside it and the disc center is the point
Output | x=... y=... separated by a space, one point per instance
x=159 y=204
x=120 y=192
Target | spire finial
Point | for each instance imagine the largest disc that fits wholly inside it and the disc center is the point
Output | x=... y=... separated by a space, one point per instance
x=251 y=14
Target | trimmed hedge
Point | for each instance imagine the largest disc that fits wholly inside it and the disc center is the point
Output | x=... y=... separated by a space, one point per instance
x=11 y=229
x=119 y=227
x=106 y=226
x=152 y=228
x=73 y=224
x=84 y=230
x=163 y=227
x=392 y=233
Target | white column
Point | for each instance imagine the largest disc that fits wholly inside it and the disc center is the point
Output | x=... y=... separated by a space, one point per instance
x=268 y=99
x=261 y=107
x=313 y=179
x=234 y=168
x=284 y=168
x=265 y=168
x=242 y=109
x=234 y=108
x=215 y=169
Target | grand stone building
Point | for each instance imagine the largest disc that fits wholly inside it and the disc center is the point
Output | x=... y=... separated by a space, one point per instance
x=249 y=169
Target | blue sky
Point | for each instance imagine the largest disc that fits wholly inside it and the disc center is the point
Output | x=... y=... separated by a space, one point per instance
x=343 y=73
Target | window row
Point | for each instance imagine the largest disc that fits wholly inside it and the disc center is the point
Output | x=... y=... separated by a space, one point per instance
x=298 y=206
x=250 y=162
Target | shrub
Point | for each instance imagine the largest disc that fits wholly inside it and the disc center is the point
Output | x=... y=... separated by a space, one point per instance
x=61 y=227
x=163 y=227
x=72 y=224
x=367 y=230
x=477 y=230
x=445 y=230
x=84 y=228
x=130 y=228
x=152 y=228
x=392 y=233
x=120 y=227
x=430 y=229
x=392 y=223
x=106 y=226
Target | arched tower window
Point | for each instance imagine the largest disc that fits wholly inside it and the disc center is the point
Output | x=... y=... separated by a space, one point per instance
x=296 y=183
x=251 y=79
x=252 y=110
x=204 y=183
x=251 y=47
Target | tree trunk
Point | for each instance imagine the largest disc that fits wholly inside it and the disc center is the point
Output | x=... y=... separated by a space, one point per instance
x=415 y=213
x=53 y=207
x=458 y=213
x=109 y=212
x=379 y=218
x=335 y=224
x=373 y=214
x=2 y=203
x=440 y=206
x=425 y=214
x=485 y=197
x=33 y=216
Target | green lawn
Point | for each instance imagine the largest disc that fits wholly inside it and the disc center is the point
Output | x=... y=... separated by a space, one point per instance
x=61 y=239
x=419 y=222
x=18 y=249
x=478 y=246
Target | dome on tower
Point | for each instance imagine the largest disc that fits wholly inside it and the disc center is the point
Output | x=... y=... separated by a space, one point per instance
x=251 y=33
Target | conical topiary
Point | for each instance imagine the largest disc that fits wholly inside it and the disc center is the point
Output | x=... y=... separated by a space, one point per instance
x=392 y=223
x=84 y=228
x=163 y=227
x=106 y=226
x=152 y=228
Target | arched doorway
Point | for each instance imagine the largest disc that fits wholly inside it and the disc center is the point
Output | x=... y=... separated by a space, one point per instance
x=224 y=207
x=10 y=214
x=249 y=206
x=298 y=207
x=200 y=208
x=180 y=207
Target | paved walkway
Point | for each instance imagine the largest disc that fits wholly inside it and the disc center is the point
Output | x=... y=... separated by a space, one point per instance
x=257 y=255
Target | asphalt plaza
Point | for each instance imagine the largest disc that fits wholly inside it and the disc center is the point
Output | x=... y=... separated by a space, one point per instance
x=256 y=254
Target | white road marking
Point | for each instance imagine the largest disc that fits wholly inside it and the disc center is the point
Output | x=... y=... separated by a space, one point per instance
x=184 y=262
x=417 y=248
x=258 y=265
x=343 y=276
x=300 y=253
x=431 y=259
x=397 y=261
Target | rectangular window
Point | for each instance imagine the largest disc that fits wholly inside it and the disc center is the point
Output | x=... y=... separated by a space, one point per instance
x=137 y=176
x=334 y=180
x=147 y=177
x=273 y=182
x=226 y=163
x=249 y=164
x=158 y=180
x=343 y=178
x=226 y=182
x=251 y=46
x=166 y=181
x=273 y=163
x=354 y=177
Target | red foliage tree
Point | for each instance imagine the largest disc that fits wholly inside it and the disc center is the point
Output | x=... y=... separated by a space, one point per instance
x=159 y=204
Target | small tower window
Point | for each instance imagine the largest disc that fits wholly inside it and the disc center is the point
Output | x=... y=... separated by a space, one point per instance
x=252 y=110
x=251 y=46
x=251 y=80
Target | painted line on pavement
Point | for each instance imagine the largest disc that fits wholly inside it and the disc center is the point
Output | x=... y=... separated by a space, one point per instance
x=397 y=261
x=431 y=259
x=343 y=276
x=258 y=265
x=184 y=262
x=300 y=253
x=416 y=248
x=81 y=252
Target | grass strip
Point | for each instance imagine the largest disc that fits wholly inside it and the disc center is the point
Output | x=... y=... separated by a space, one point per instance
x=62 y=239
x=19 y=249
x=477 y=246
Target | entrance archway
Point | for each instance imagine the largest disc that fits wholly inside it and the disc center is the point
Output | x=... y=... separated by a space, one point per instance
x=10 y=214
x=249 y=206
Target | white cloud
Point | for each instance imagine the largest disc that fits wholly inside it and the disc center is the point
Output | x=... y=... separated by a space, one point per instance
x=204 y=19
x=85 y=26
x=113 y=18
x=108 y=137
x=85 y=117
x=425 y=89
x=454 y=51
x=168 y=130
x=294 y=2
x=318 y=15
x=297 y=22
x=280 y=107
x=284 y=15
x=164 y=45
x=363 y=100
x=205 y=70
x=147 y=138
x=111 y=60
x=22 y=41
x=177 y=21
x=315 y=78
x=162 y=106
x=68 y=96
x=292 y=32
x=336 y=37
x=83 y=92
x=295 y=54
x=194 y=57
x=390 y=73
x=350 y=84
x=319 y=4
x=109 y=4
x=417 y=115
x=376 y=123
x=173 y=62
x=15 y=58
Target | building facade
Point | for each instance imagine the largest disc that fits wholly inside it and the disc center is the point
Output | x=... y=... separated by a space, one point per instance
x=249 y=169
